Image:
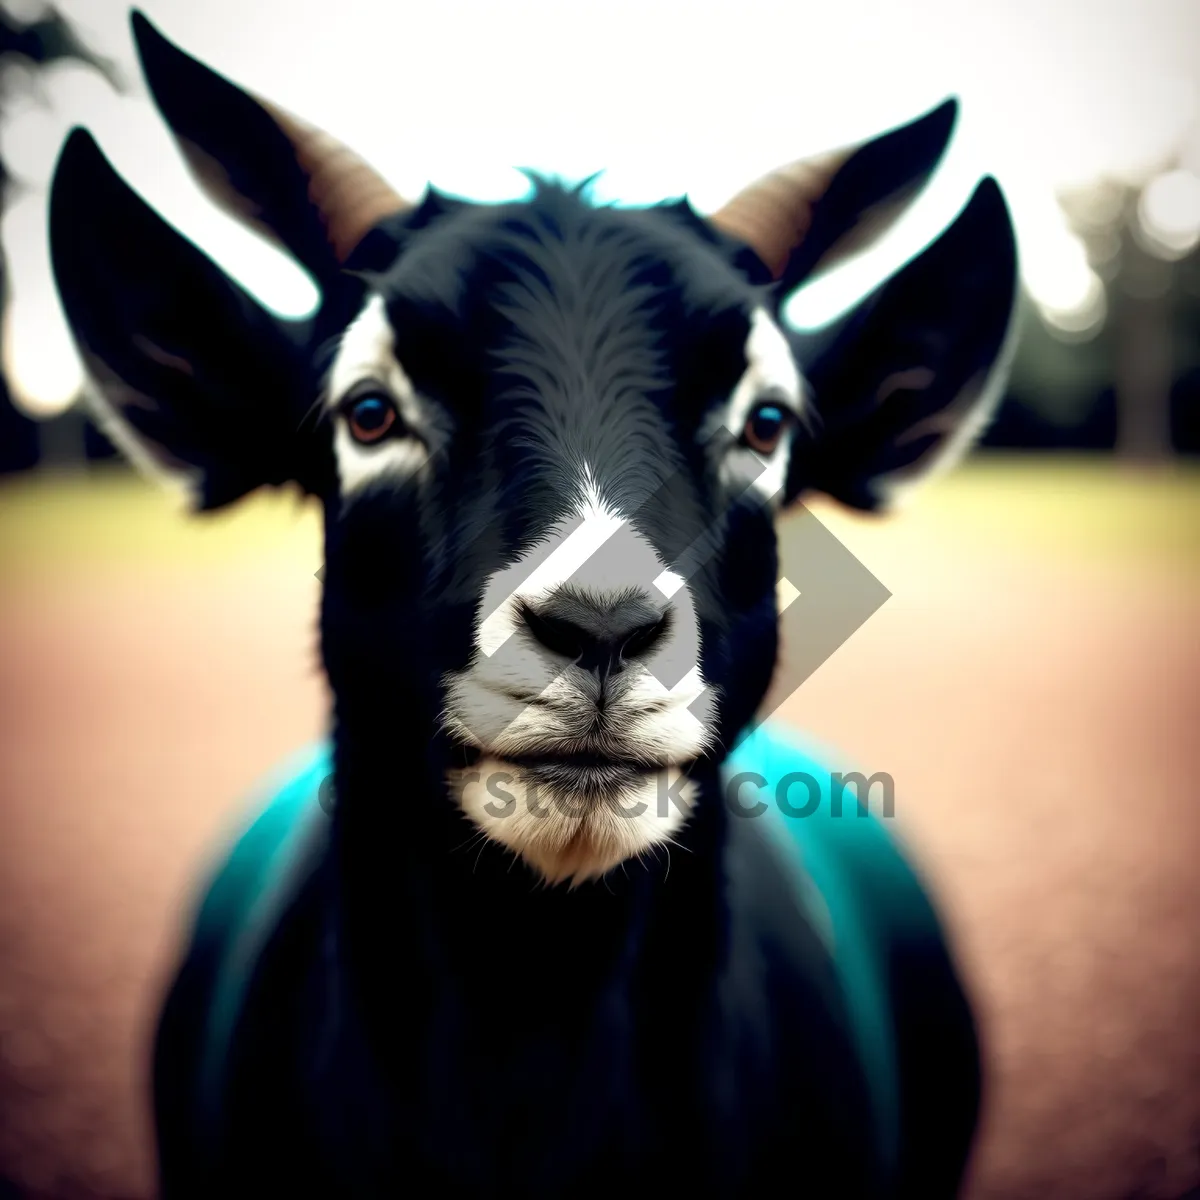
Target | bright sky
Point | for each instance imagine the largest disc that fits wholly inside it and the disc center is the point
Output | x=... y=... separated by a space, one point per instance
x=667 y=97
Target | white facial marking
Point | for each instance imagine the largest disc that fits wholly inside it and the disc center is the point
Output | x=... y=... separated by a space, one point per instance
x=366 y=353
x=770 y=371
x=564 y=840
x=770 y=375
x=517 y=699
x=573 y=545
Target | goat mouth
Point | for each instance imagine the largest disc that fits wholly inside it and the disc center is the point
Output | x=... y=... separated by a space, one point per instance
x=587 y=774
x=465 y=756
x=591 y=778
x=584 y=761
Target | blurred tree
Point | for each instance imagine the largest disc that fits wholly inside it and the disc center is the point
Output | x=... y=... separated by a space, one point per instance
x=1056 y=394
x=1142 y=305
x=1130 y=384
x=1185 y=394
x=34 y=44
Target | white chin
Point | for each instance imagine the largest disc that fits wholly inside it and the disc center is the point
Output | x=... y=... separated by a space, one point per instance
x=571 y=826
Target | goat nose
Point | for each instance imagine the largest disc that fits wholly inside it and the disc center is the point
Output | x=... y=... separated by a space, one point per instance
x=600 y=634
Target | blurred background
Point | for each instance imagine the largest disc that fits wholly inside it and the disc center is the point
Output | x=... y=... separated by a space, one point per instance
x=1032 y=685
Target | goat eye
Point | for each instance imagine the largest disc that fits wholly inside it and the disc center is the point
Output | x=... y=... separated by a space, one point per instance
x=370 y=418
x=764 y=427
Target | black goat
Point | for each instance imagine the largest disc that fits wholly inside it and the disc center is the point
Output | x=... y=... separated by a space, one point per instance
x=550 y=439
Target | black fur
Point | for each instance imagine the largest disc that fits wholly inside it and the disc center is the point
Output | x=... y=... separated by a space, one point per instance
x=424 y=1017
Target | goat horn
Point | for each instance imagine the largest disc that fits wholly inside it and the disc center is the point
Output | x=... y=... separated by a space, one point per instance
x=351 y=196
x=252 y=157
x=853 y=195
x=774 y=214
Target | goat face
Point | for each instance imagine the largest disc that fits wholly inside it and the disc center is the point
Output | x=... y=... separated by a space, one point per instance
x=579 y=424
x=550 y=439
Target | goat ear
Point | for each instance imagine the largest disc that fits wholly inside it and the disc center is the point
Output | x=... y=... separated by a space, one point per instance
x=289 y=181
x=906 y=382
x=196 y=382
x=806 y=217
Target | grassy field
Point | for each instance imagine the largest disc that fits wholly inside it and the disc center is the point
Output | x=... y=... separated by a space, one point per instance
x=112 y=516
x=1082 y=506
x=1033 y=687
x=1075 y=506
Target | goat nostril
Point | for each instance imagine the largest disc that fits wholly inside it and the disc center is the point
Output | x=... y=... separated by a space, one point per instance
x=556 y=634
x=597 y=637
x=645 y=637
